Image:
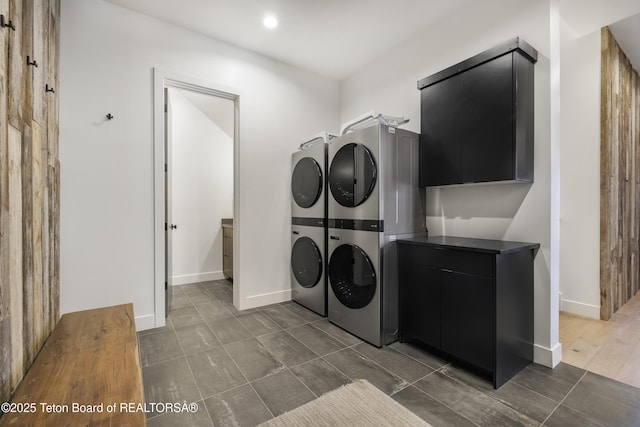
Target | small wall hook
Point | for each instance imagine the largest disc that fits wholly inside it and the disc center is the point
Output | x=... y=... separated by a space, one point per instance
x=30 y=62
x=7 y=24
x=49 y=89
x=109 y=116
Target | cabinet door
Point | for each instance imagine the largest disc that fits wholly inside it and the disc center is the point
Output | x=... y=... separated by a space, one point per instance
x=440 y=133
x=420 y=303
x=468 y=318
x=486 y=121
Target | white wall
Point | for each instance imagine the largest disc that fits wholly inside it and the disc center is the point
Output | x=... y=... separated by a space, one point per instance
x=507 y=211
x=202 y=189
x=107 y=57
x=580 y=175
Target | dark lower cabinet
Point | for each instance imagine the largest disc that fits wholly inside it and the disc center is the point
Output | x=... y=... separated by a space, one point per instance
x=471 y=299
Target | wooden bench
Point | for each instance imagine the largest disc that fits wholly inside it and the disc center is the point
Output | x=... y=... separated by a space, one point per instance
x=90 y=359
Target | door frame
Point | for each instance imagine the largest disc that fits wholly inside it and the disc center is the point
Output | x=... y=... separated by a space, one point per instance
x=164 y=79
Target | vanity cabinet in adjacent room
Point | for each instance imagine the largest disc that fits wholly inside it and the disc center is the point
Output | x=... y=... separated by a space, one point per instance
x=470 y=299
x=227 y=248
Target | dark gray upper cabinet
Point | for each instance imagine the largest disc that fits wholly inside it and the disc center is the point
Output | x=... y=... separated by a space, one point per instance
x=477 y=119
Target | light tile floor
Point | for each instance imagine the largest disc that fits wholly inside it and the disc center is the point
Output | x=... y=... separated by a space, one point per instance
x=243 y=368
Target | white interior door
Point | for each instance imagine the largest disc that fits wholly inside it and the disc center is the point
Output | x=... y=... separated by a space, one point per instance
x=169 y=226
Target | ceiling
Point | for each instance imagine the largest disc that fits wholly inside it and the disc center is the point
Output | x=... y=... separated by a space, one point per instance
x=331 y=37
x=336 y=38
x=627 y=34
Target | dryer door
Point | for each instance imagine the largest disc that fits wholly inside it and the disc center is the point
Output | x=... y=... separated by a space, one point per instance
x=306 y=182
x=352 y=276
x=352 y=175
x=306 y=262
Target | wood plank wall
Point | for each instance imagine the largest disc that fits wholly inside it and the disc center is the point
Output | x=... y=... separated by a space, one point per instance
x=619 y=178
x=29 y=185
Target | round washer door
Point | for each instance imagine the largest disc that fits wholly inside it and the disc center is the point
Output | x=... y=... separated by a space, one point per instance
x=352 y=175
x=306 y=182
x=352 y=276
x=306 y=262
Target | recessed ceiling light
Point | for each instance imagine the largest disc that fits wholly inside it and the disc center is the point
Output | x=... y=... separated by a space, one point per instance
x=270 y=21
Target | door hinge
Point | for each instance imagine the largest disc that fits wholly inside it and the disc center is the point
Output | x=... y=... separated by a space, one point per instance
x=165 y=167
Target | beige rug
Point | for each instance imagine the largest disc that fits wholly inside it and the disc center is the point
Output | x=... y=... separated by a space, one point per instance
x=355 y=404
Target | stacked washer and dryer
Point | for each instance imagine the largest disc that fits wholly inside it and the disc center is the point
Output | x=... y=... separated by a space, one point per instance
x=373 y=198
x=309 y=223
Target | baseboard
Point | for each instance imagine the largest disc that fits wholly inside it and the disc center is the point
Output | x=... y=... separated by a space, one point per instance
x=197 y=277
x=254 y=301
x=579 y=308
x=549 y=357
x=148 y=321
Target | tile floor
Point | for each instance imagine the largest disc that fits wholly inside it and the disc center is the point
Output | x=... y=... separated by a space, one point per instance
x=243 y=368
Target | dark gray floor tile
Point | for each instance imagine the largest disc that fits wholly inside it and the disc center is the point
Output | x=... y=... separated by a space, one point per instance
x=395 y=362
x=420 y=354
x=286 y=348
x=282 y=392
x=215 y=371
x=165 y=328
x=544 y=381
x=471 y=403
x=223 y=294
x=565 y=372
x=159 y=347
x=319 y=376
x=200 y=418
x=611 y=389
x=336 y=332
x=521 y=399
x=566 y=417
x=201 y=297
x=316 y=339
x=240 y=406
x=191 y=288
x=429 y=409
x=258 y=323
x=229 y=329
x=213 y=310
x=253 y=359
x=303 y=312
x=592 y=403
x=284 y=317
x=179 y=300
x=196 y=338
x=355 y=366
x=185 y=316
x=170 y=381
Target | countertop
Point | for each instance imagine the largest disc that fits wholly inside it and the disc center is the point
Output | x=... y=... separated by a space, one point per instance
x=471 y=244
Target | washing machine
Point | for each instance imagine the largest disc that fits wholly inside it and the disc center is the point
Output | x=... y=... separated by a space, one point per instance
x=309 y=222
x=374 y=199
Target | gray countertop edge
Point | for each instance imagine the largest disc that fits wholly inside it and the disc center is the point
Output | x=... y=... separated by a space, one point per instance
x=472 y=244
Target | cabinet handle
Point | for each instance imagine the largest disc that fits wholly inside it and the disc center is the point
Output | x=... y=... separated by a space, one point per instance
x=30 y=62
x=446 y=270
x=49 y=89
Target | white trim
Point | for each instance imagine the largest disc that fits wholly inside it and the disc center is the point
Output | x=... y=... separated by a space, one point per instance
x=148 y=321
x=549 y=357
x=162 y=79
x=580 y=308
x=254 y=301
x=186 y=279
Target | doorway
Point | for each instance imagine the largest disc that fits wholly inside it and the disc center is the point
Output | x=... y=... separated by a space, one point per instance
x=181 y=148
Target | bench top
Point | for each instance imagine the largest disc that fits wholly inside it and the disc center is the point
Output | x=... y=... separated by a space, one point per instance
x=91 y=358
